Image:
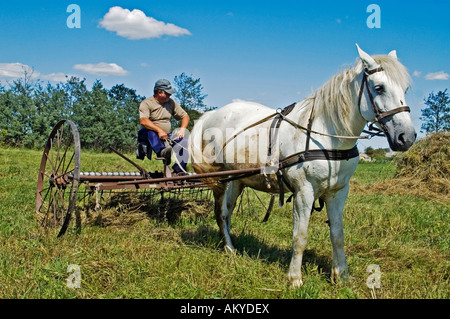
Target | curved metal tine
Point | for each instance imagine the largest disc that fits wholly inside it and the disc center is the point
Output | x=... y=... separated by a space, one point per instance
x=254 y=192
x=240 y=206
x=248 y=201
x=269 y=210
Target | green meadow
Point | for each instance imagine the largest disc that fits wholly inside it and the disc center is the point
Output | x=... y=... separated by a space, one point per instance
x=136 y=252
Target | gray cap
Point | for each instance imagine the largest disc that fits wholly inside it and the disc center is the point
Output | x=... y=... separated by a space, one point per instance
x=165 y=86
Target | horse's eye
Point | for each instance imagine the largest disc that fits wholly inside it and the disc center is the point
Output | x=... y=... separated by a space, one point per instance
x=379 y=89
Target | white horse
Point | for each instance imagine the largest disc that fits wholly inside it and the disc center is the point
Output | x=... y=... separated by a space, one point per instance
x=371 y=91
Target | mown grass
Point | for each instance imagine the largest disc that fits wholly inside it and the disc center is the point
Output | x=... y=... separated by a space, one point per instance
x=144 y=255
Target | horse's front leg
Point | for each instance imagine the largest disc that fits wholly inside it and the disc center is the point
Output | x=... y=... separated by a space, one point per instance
x=303 y=202
x=335 y=206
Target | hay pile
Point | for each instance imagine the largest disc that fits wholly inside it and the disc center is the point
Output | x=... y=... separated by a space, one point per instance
x=424 y=170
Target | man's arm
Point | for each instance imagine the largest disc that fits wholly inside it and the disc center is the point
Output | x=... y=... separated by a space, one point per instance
x=184 y=124
x=149 y=125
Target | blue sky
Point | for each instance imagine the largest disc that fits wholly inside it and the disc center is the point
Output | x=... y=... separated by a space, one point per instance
x=271 y=52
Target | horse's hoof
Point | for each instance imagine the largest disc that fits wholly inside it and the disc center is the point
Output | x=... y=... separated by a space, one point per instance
x=338 y=276
x=296 y=284
x=230 y=249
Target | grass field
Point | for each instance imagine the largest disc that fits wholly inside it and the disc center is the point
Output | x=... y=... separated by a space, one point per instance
x=138 y=254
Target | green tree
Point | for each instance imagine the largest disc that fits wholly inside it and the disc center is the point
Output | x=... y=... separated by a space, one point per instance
x=189 y=92
x=5 y=113
x=190 y=96
x=125 y=103
x=19 y=112
x=50 y=103
x=29 y=111
x=436 y=116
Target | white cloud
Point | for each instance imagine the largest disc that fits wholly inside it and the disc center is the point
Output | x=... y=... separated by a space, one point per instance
x=441 y=75
x=55 y=77
x=102 y=68
x=135 y=25
x=16 y=71
x=417 y=73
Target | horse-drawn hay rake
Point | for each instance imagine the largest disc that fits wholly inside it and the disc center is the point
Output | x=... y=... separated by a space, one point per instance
x=62 y=185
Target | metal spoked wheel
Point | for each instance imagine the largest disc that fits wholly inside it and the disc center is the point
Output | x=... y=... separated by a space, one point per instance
x=59 y=177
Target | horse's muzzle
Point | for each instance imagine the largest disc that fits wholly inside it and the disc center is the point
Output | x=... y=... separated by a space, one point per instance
x=401 y=140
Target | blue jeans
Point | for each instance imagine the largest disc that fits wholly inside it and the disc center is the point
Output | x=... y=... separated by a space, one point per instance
x=151 y=138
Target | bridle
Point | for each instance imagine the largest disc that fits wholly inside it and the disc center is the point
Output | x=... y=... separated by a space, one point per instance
x=379 y=115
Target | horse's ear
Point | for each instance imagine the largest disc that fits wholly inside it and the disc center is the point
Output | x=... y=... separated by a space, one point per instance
x=393 y=54
x=368 y=61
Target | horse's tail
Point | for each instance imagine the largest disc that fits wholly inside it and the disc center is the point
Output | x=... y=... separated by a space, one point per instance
x=201 y=163
x=196 y=140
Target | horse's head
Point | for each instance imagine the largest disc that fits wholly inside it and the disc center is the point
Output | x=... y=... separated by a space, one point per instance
x=384 y=84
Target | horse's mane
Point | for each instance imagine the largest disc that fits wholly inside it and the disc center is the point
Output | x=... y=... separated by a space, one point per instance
x=335 y=99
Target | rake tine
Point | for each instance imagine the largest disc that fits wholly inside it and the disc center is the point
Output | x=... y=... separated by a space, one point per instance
x=269 y=210
x=254 y=192
x=249 y=204
x=240 y=203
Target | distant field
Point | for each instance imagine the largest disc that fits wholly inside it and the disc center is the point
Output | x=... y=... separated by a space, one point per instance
x=141 y=254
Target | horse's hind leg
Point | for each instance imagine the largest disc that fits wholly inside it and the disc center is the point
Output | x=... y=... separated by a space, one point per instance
x=225 y=203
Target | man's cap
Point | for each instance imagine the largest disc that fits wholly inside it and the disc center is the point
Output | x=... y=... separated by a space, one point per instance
x=165 y=86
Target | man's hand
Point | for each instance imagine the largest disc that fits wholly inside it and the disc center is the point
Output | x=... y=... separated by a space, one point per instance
x=184 y=124
x=181 y=132
x=162 y=135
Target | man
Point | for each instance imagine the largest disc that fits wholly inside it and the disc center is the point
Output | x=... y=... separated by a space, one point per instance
x=155 y=114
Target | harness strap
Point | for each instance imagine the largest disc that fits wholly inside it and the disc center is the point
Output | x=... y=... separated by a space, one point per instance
x=280 y=176
x=370 y=72
x=394 y=111
x=311 y=155
x=277 y=122
x=298 y=158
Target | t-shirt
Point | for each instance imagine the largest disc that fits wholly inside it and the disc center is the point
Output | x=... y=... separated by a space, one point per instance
x=160 y=114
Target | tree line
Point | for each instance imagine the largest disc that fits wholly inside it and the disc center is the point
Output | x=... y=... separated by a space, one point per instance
x=29 y=110
x=104 y=117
